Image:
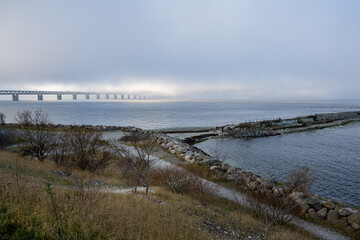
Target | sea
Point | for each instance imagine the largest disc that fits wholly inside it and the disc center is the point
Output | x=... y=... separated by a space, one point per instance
x=332 y=153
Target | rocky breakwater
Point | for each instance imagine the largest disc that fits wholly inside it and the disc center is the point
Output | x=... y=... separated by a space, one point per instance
x=312 y=205
x=280 y=126
x=63 y=127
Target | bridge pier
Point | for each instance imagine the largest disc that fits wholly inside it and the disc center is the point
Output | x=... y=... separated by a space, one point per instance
x=97 y=96
x=59 y=97
x=74 y=96
x=107 y=96
x=40 y=97
x=115 y=96
x=15 y=97
x=87 y=96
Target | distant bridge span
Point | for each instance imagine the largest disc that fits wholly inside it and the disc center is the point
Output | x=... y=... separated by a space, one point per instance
x=15 y=94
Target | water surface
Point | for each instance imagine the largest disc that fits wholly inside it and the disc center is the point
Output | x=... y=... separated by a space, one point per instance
x=172 y=114
x=333 y=154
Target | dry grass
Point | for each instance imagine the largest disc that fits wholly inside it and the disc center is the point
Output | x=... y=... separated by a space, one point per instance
x=69 y=209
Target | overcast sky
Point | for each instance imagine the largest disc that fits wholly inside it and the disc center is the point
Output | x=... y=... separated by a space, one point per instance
x=276 y=49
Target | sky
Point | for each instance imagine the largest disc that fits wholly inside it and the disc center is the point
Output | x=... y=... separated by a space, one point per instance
x=221 y=49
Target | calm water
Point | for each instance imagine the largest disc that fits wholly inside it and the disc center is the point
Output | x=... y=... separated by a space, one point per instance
x=333 y=153
x=170 y=114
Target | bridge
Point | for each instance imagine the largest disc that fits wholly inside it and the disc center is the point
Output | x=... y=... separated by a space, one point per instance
x=40 y=94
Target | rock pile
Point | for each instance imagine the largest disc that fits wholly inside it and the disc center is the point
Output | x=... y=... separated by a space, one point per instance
x=278 y=126
x=339 y=213
x=86 y=127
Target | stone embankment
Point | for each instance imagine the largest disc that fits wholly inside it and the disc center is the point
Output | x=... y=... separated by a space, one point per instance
x=339 y=213
x=280 y=126
x=63 y=127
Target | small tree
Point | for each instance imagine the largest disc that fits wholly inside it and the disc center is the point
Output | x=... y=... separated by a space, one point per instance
x=2 y=118
x=137 y=158
x=302 y=179
x=61 y=153
x=88 y=151
x=38 y=141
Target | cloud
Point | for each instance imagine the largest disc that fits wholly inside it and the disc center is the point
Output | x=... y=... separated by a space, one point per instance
x=202 y=49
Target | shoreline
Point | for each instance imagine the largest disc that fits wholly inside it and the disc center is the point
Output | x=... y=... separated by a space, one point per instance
x=313 y=206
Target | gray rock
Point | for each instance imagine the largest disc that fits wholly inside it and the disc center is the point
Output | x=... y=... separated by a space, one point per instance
x=354 y=220
x=344 y=212
x=304 y=208
x=231 y=170
x=329 y=205
x=312 y=212
x=322 y=213
x=187 y=157
x=333 y=215
x=266 y=185
x=214 y=168
x=232 y=177
x=253 y=185
x=315 y=203
x=296 y=195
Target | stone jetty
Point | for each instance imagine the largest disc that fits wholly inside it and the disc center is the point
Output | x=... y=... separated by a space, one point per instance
x=280 y=126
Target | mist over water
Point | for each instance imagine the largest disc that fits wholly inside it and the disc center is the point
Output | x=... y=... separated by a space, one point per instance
x=333 y=153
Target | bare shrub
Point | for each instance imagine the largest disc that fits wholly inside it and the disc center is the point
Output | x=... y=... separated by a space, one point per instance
x=179 y=180
x=302 y=179
x=2 y=118
x=61 y=154
x=37 y=140
x=274 y=207
x=175 y=179
x=87 y=150
x=137 y=158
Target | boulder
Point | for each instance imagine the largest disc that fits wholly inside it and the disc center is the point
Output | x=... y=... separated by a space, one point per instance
x=232 y=177
x=315 y=203
x=253 y=186
x=354 y=220
x=296 y=195
x=225 y=167
x=231 y=170
x=312 y=212
x=333 y=215
x=266 y=185
x=329 y=205
x=344 y=212
x=304 y=208
x=322 y=213
x=187 y=157
x=214 y=168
